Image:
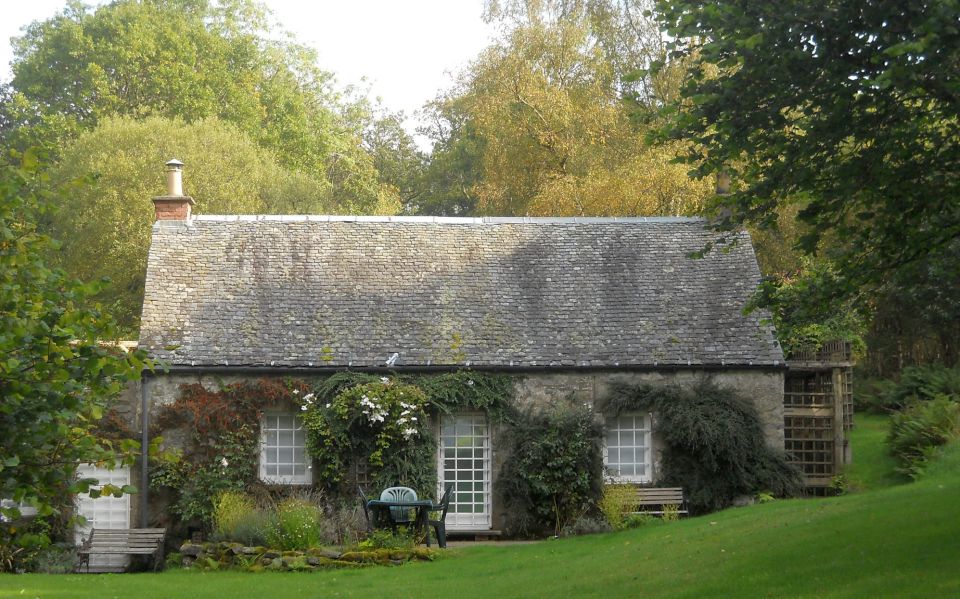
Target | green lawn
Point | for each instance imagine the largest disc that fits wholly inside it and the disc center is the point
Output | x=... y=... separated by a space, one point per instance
x=873 y=467
x=897 y=540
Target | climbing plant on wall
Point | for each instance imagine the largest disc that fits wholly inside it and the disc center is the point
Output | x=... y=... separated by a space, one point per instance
x=382 y=421
x=223 y=433
x=714 y=442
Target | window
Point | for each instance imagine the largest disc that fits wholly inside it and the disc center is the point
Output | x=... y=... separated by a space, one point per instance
x=627 y=448
x=283 y=458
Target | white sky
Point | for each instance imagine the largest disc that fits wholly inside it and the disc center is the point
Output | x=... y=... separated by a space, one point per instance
x=406 y=49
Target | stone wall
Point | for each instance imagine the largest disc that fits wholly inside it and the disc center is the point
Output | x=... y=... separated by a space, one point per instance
x=537 y=390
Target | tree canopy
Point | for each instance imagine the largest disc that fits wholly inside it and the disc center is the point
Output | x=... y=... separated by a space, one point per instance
x=188 y=59
x=540 y=123
x=106 y=227
x=846 y=110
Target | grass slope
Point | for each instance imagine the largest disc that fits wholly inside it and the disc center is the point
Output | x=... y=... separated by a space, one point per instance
x=899 y=541
x=873 y=467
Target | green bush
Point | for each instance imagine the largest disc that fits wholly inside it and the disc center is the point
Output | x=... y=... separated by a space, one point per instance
x=552 y=476
x=715 y=446
x=917 y=432
x=638 y=520
x=54 y=559
x=296 y=524
x=586 y=525
x=616 y=504
x=384 y=538
x=917 y=383
x=237 y=517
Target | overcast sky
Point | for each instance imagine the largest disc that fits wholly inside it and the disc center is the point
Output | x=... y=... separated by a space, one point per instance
x=406 y=49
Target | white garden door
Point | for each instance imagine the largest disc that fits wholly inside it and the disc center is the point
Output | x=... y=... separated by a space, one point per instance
x=104 y=512
x=465 y=462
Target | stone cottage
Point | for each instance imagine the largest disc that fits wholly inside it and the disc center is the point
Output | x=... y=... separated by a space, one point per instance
x=566 y=305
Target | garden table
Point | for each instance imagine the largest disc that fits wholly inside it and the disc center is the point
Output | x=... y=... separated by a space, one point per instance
x=423 y=507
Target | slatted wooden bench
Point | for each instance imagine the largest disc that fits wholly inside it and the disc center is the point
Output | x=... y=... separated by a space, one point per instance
x=653 y=501
x=123 y=541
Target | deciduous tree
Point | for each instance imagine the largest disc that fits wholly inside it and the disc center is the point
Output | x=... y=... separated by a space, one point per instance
x=56 y=374
x=848 y=110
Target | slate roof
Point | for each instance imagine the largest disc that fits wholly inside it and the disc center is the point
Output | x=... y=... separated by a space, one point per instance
x=323 y=292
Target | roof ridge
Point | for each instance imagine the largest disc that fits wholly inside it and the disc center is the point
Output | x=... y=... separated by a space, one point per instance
x=450 y=220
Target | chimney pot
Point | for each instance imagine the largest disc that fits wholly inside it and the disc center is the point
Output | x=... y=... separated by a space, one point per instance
x=174 y=178
x=174 y=205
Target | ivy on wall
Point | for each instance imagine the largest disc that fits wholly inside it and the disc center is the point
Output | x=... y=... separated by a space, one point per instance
x=715 y=446
x=223 y=434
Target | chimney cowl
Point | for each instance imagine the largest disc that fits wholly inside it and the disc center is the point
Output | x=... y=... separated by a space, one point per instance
x=174 y=206
x=174 y=178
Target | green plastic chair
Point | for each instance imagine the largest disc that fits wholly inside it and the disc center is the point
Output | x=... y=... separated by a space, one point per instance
x=400 y=515
x=366 y=510
x=439 y=523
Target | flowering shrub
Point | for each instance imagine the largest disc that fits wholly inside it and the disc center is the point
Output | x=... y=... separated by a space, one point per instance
x=382 y=421
x=296 y=525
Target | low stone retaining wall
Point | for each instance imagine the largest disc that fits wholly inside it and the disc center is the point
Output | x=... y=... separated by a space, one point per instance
x=227 y=556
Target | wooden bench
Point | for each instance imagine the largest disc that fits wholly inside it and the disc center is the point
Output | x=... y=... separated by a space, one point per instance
x=647 y=498
x=123 y=541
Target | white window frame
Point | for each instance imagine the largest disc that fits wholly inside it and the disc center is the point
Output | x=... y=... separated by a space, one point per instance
x=647 y=430
x=299 y=442
x=472 y=520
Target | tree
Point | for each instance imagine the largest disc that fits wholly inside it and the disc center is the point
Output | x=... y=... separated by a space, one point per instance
x=107 y=226
x=540 y=127
x=848 y=110
x=57 y=376
x=187 y=59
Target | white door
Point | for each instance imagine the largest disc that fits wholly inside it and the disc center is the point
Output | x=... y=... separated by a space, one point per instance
x=104 y=512
x=465 y=462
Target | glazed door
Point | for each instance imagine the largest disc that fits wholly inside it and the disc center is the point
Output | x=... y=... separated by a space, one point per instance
x=104 y=512
x=465 y=462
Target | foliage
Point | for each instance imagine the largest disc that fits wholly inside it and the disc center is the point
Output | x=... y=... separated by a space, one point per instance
x=382 y=422
x=671 y=512
x=616 y=503
x=552 y=475
x=714 y=443
x=384 y=538
x=586 y=525
x=917 y=383
x=346 y=523
x=805 y=326
x=60 y=558
x=343 y=433
x=58 y=371
x=190 y=60
x=224 y=429
x=20 y=547
x=537 y=124
x=107 y=225
x=296 y=525
x=467 y=390
x=918 y=432
x=232 y=511
x=638 y=520
x=826 y=106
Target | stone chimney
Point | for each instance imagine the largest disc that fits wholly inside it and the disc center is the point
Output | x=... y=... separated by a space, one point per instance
x=174 y=206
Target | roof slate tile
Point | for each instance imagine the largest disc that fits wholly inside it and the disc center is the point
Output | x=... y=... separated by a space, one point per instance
x=333 y=292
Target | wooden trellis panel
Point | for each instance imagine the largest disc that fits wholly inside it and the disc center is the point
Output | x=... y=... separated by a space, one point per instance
x=817 y=412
